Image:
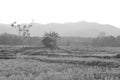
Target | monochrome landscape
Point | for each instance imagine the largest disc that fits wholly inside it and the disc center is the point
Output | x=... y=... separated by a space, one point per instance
x=59 y=39
x=59 y=51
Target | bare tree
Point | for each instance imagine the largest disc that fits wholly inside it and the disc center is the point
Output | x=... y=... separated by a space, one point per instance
x=23 y=30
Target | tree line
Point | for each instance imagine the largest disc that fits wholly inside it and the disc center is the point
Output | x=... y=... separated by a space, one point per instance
x=51 y=40
x=107 y=41
x=10 y=39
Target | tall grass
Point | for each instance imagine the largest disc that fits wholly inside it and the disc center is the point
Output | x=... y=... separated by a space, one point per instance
x=35 y=70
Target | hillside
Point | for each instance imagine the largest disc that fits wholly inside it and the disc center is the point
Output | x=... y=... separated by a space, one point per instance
x=79 y=29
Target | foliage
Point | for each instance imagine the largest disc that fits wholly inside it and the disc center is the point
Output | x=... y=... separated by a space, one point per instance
x=50 y=40
x=9 y=39
x=109 y=41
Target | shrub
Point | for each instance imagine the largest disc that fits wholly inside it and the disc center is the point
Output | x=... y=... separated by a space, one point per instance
x=50 y=40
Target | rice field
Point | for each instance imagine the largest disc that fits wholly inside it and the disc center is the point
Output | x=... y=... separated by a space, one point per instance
x=44 y=64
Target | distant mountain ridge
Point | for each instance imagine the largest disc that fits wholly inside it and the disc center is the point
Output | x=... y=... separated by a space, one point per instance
x=79 y=29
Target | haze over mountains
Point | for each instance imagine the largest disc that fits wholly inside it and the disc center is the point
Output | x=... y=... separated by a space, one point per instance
x=79 y=29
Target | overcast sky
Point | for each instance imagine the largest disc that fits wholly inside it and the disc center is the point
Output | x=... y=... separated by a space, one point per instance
x=60 y=11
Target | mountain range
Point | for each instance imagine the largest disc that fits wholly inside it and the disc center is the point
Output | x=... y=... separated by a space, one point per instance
x=78 y=29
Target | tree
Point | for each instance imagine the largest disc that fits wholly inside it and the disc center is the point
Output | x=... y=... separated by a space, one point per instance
x=109 y=41
x=23 y=30
x=102 y=34
x=9 y=39
x=50 y=40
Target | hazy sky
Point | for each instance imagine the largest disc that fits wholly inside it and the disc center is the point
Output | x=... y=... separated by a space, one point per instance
x=60 y=11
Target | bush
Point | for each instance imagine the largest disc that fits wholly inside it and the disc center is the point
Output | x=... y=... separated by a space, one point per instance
x=50 y=40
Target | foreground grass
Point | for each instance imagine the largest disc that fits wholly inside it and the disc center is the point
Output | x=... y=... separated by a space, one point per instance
x=20 y=69
x=43 y=64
